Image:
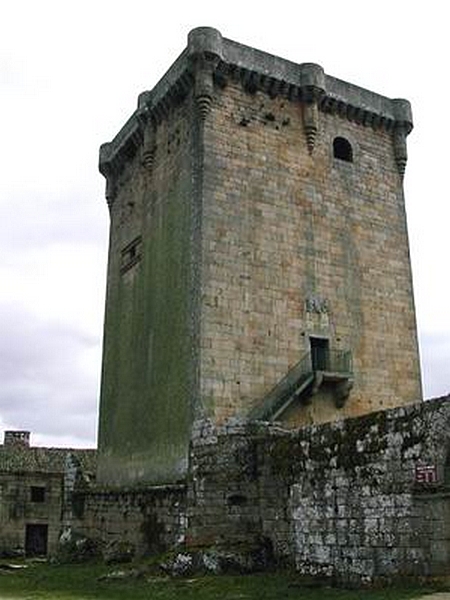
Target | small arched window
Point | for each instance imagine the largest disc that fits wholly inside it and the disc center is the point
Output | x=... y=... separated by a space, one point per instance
x=342 y=149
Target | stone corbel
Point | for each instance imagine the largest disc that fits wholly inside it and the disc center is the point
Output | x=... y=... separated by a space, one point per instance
x=115 y=154
x=204 y=84
x=148 y=149
x=400 y=150
x=108 y=170
x=342 y=392
x=110 y=190
x=148 y=119
x=205 y=52
x=312 y=89
x=311 y=124
x=402 y=127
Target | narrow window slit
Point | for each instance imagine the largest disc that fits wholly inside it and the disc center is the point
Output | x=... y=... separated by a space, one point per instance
x=131 y=254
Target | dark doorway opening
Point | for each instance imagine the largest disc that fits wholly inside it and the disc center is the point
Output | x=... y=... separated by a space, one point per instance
x=36 y=539
x=320 y=353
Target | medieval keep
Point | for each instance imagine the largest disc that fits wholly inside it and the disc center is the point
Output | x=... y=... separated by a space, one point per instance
x=261 y=390
x=258 y=263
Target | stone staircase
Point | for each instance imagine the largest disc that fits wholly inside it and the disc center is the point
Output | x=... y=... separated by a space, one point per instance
x=304 y=380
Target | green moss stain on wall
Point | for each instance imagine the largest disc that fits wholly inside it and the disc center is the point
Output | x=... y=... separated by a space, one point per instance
x=146 y=397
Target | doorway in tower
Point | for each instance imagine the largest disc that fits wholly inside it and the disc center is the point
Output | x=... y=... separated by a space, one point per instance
x=320 y=353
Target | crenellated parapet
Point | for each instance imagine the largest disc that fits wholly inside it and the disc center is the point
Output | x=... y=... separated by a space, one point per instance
x=210 y=61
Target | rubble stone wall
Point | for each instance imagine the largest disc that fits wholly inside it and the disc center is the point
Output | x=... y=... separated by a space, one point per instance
x=147 y=521
x=356 y=500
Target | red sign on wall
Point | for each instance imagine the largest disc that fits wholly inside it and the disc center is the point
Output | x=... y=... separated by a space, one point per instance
x=425 y=474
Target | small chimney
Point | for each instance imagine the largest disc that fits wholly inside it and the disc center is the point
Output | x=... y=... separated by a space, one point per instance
x=17 y=438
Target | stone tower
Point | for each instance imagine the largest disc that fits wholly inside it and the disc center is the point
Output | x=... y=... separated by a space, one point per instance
x=258 y=262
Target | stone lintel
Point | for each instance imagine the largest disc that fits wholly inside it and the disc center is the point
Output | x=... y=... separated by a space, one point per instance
x=257 y=70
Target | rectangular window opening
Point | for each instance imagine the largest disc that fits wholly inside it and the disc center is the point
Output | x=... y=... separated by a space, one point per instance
x=37 y=493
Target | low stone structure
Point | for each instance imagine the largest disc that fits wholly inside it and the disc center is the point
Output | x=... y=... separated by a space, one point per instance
x=146 y=521
x=356 y=500
x=38 y=487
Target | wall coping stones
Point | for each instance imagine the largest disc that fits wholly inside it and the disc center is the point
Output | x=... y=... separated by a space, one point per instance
x=205 y=432
x=29 y=459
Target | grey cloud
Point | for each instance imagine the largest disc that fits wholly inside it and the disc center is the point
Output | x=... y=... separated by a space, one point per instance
x=45 y=387
x=53 y=219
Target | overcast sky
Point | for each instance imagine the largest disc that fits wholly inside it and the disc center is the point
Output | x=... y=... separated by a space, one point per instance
x=70 y=74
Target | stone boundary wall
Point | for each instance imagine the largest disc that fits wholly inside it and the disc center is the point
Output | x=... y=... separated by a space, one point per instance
x=357 y=500
x=146 y=521
x=232 y=498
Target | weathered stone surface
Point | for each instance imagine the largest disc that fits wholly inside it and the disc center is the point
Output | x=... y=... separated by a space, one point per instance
x=238 y=234
x=74 y=547
x=246 y=558
x=135 y=522
x=37 y=488
x=282 y=226
x=345 y=500
x=119 y=552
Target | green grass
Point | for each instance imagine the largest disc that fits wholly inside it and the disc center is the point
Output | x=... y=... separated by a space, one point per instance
x=83 y=582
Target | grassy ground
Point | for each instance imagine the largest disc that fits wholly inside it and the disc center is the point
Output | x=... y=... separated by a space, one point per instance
x=39 y=581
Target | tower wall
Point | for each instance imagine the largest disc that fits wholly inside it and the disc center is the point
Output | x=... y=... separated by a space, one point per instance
x=145 y=409
x=238 y=238
x=299 y=244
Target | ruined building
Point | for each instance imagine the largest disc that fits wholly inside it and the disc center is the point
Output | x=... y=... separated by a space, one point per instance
x=37 y=493
x=258 y=263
